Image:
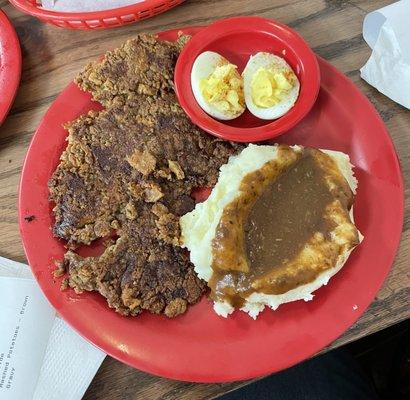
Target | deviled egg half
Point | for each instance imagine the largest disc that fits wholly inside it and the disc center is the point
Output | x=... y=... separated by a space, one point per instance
x=271 y=88
x=217 y=86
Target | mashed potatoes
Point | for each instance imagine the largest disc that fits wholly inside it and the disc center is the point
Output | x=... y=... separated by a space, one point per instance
x=199 y=228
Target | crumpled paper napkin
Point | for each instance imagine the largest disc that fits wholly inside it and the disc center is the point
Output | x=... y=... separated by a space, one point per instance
x=41 y=357
x=387 y=32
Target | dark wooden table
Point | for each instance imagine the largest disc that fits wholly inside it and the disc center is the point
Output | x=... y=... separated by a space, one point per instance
x=53 y=56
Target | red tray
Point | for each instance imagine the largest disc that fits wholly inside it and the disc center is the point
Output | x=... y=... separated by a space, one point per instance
x=99 y=19
x=199 y=345
x=10 y=65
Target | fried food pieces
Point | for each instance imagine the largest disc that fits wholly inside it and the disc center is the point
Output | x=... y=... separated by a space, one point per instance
x=131 y=169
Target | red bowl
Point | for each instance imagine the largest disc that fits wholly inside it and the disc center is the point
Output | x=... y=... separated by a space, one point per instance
x=237 y=39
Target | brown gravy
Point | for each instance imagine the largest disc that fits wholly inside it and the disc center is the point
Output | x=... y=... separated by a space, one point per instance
x=281 y=206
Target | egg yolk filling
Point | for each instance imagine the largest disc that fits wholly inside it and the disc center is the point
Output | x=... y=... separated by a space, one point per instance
x=224 y=89
x=268 y=87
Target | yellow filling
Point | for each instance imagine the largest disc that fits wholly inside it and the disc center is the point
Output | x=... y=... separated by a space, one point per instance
x=268 y=87
x=224 y=89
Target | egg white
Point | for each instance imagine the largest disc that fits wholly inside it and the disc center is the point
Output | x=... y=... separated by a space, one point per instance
x=202 y=68
x=267 y=60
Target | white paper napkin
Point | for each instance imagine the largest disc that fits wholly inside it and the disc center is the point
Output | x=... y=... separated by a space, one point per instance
x=387 y=32
x=45 y=359
x=86 y=6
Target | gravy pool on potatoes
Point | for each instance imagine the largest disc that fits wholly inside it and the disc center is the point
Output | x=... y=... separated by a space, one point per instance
x=279 y=209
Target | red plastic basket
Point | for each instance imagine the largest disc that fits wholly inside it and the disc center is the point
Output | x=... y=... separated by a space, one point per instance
x=98 y=19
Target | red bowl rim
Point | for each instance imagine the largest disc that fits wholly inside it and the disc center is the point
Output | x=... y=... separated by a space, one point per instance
x=217 y=128
x=29 y=8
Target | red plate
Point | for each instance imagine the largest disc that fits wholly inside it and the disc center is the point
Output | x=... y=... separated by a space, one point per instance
x=200 y=346
x=10 y=65
x=251 y=35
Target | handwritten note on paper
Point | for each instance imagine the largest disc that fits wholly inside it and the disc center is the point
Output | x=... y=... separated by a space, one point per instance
x=26 y=319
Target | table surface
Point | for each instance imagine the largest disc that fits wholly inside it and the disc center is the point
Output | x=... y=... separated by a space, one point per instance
x=53 y=56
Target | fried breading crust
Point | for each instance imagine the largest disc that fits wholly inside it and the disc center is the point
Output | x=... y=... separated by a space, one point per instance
x=131 y=169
